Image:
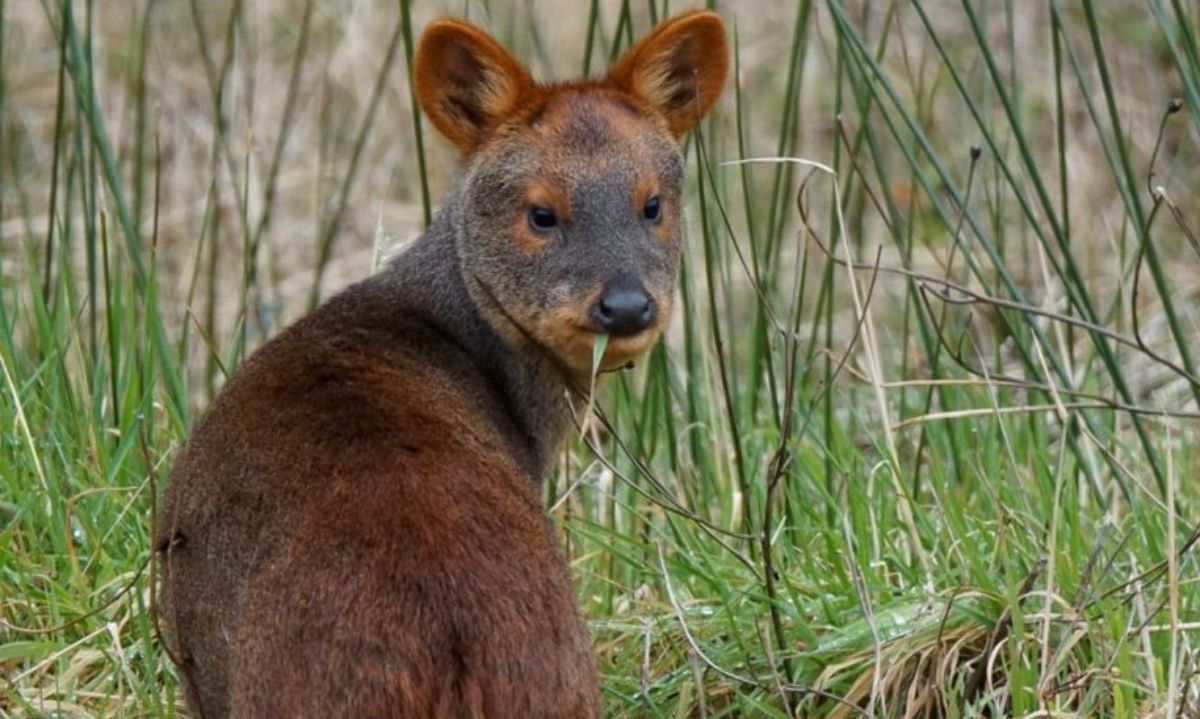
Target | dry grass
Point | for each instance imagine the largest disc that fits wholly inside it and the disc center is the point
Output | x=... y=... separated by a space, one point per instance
x=1045 y=588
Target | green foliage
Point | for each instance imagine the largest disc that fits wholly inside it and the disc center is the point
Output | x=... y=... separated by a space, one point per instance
x=921 y=441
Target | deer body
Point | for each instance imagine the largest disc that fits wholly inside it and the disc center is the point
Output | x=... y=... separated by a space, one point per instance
x=355 y=528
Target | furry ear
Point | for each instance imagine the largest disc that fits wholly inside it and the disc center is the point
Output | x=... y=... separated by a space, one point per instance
x=466 y=81
x=679 y=69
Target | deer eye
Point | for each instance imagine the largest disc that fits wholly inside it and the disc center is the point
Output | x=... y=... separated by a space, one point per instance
x=542 y=219
x=652 y=210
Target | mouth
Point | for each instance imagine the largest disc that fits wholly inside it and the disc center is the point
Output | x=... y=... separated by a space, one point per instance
x=619 y=351
x=568 y=335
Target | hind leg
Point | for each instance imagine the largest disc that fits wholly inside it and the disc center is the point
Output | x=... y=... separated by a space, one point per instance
x=361 y=634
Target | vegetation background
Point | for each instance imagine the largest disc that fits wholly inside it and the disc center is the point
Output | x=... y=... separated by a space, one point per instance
x=920 y=443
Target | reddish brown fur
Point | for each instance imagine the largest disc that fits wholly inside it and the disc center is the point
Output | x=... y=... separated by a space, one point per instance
x=381 y=493
x=683 y=100
x=688 y=95
x=567 y=330
x=442 y=48
x=647 y=187
x=355 y=527
x=546 y=195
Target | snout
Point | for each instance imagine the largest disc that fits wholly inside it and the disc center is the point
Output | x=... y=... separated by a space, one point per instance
x=624 y=309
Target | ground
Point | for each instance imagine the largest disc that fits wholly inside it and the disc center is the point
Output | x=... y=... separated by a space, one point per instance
x=921 y=440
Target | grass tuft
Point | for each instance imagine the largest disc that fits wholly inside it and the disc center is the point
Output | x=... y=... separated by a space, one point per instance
x=918 y=441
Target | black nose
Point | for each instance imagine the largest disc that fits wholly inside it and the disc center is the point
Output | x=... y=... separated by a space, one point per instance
x=624 y=309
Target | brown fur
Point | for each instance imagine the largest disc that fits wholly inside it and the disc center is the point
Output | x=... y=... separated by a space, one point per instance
x=679 y=68
x=355 y=528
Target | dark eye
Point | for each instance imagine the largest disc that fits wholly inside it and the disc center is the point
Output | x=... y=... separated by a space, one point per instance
x=542 y=219
x=653 y=209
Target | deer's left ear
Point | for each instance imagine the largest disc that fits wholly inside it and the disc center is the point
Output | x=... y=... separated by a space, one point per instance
x=679 y=69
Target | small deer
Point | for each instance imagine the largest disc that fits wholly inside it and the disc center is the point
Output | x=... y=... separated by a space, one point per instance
x=355 y=527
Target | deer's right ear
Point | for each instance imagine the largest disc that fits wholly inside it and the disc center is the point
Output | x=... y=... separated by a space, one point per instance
x=466 y=81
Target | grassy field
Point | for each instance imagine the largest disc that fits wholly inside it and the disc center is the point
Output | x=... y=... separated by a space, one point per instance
x=921 y=442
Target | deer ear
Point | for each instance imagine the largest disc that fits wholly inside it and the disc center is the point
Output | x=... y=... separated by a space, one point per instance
x=679 y=69
x=466 y=81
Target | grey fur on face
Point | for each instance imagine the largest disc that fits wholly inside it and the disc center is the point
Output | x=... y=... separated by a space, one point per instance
x=597 y=156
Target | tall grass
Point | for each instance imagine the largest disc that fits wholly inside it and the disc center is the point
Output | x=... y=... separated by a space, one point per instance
x=921 y=441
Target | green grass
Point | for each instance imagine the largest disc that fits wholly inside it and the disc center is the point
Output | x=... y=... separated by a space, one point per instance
x=921 y=442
